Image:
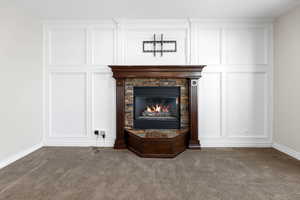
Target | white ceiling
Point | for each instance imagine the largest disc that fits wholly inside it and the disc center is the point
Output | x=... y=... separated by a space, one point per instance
x=100 y=9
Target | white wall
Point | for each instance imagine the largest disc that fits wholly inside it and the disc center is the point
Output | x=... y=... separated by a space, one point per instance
x=235 y=98
x=20 y=83
x=286 y=81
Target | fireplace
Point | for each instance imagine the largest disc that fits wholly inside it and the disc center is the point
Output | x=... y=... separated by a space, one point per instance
x=156 y=107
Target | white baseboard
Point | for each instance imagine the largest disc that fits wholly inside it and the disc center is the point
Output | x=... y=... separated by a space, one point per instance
x=236 y=142
x=75 y=142
x=109 y=142
x=287 y=150
x=20 y=155
x=250 y=145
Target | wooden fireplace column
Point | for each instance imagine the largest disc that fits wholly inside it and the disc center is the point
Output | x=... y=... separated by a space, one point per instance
x=193 y=112
x=120 y=114
x=190 y=72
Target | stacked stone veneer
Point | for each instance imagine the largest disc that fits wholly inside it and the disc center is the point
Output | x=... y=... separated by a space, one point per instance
x=184 y=101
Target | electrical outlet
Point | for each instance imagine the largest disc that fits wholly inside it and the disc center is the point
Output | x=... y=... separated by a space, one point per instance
x=102 y=133
x=96 y=132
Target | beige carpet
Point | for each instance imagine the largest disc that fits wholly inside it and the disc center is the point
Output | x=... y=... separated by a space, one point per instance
x=96 y=174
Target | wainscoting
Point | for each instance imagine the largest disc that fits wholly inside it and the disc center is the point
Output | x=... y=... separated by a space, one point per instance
x=235 y=101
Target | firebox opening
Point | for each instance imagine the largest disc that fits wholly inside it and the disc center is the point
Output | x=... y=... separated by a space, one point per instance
x=157 y=107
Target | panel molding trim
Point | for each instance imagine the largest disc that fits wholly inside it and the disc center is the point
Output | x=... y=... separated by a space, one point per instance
x=236 y=144
x=190 y=33
x=244 y=132
x=50 y=50
x=80 y=142
x=50 y=133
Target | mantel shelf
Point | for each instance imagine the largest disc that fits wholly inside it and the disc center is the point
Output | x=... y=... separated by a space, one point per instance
x=156 y=71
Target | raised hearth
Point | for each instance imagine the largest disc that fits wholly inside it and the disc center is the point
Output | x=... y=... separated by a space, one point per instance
x=157 y=143
x=157 y=109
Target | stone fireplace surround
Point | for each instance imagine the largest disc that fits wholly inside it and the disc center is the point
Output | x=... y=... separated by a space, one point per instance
x=155 y=82
x=184 y=76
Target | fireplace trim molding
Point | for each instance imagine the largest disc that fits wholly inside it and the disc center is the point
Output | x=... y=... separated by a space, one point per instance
x=190 y=72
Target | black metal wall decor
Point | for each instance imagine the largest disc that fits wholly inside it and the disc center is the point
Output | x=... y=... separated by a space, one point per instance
x=157 y=46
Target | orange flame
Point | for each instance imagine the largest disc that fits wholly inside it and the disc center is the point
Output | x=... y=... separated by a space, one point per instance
x=157 y=108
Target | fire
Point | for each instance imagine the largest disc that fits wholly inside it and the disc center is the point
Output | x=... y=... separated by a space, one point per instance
x=158 y=108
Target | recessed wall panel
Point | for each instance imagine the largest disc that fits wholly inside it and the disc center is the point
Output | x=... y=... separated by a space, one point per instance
x=103 y=102
x=67 y=46
x=133 y=47
x=208 y=46
x=68 y=104
x=210 y=105
x=246 y=46
x=103 y=46
x=246 y=105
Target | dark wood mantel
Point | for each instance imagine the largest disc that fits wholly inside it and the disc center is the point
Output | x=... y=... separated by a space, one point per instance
x=157 y=71
x=190 y=72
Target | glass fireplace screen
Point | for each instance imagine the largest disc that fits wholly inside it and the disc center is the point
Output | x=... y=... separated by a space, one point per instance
x=156 y=107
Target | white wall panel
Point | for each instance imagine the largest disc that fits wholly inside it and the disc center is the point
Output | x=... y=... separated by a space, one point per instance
x=133 y=47
x=208 y=46
x=246 y=105
x=234 y=91
x=210 y=105
x=67 y=107
x=103 y=44
x=103 y=110
x=67 y=46
x=245 y=45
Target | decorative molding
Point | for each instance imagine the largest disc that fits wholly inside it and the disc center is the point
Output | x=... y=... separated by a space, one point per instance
x=69 y=28
x=265 y=134
x=49 y=131
x=236 y=144
x=195 y=46
x=85 y=142
x=138 y=32
x=108 y=22
x=237 y=68
x=49 y=44
x=91 y=46
x=208 y=134
x=160 y=20
x=225 y=141
x=251 y=27
x=223 y=109
x=83 y=68
x=153 y=23
x=92 y=104
x=19 y=155
x=190 y=27
x=228 y=20
x=126 y=26
x=287 y=150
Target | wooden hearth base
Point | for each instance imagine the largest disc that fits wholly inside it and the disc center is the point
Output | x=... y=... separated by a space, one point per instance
x=157 y=143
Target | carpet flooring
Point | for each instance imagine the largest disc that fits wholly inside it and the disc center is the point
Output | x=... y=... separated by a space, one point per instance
x=75 y=173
